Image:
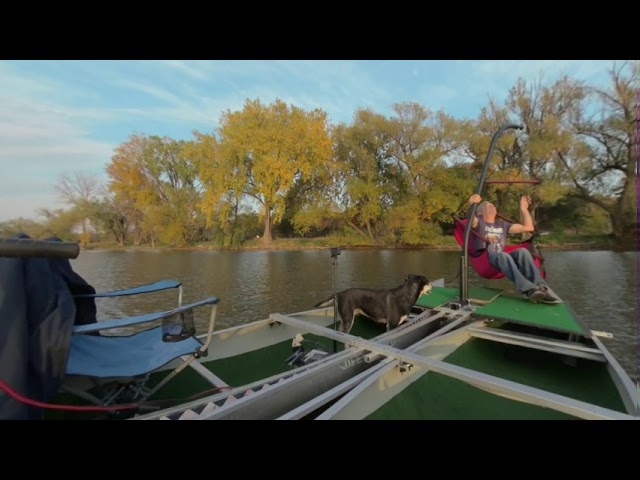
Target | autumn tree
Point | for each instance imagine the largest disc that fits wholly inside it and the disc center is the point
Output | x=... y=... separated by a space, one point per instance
x=33 y=228
x=506 y=162
x=265 y=149
x=59 y=223
x=424 y=146
x=80 y=191
x=176 y=187
x=312 y=203
x=110 y=214
x=528 y=155
x=223 y=190
x=543 y=110
x=604 y=161
x=397 y=179
x=159 y=186
x=128 y=183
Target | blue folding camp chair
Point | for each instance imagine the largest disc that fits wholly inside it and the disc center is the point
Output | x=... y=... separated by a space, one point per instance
x=125 y=363
x=153 y=287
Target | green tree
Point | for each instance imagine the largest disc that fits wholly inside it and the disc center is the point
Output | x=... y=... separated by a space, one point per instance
x=369 y=180
x=427 y=146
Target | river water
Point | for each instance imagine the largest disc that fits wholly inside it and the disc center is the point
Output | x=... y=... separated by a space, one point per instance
x=599 y=286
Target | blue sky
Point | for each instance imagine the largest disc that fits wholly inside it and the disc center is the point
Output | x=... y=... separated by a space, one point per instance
x=65 y=116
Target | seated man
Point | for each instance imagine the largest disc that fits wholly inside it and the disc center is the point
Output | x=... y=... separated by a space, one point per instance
x=518 y=265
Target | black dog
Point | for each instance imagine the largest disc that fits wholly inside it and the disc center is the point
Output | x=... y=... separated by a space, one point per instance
x=388 y=307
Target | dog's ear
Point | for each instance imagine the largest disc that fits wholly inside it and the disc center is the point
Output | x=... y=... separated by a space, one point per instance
x=419 y=278
x=416 y=278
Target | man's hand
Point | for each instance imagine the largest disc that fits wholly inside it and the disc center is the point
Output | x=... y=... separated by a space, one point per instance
x=525 y=201
x=475 y=198
x=527 y=226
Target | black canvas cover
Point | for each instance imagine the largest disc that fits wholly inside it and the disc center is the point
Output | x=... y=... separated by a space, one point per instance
x=37 y=315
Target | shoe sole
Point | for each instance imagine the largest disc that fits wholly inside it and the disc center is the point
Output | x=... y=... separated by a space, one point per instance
x=537 y=297
x=553 y=301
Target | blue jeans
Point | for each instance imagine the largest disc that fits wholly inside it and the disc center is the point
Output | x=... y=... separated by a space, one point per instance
x=518 y=266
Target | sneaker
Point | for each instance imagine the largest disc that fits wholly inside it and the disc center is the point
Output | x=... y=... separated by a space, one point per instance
x=535 y=295
x=551 y=300
x=549 y=295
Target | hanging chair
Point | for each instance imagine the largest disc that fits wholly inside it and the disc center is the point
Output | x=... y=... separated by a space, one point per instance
x=480 y=259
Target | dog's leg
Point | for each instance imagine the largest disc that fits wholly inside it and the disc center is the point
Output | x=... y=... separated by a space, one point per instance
x=393 y=314
x=394 y=317
x=347 y=315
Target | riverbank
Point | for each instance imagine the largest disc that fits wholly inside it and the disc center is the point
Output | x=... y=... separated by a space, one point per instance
x=550 y=242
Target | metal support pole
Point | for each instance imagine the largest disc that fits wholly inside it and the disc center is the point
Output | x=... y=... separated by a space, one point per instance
x=464 y=273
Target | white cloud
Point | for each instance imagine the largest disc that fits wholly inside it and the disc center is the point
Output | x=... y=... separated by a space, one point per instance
x=496 y=76
x=40 y=140
x=13 y=85
x=152 y=91
x=35 y=135
x=182 y=67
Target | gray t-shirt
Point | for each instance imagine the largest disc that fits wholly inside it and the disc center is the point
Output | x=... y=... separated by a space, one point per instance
x=495 y=234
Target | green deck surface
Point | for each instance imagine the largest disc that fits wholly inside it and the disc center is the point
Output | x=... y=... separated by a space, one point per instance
x=556 y=317
x=441 y=295
x=436 y=396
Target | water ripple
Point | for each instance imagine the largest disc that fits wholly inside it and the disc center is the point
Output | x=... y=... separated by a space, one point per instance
x=599 y=286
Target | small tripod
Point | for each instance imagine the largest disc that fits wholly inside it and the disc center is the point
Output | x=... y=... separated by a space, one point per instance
x=334 y=255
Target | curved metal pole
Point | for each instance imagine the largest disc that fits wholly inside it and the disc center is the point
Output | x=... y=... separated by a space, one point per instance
x=464 y=274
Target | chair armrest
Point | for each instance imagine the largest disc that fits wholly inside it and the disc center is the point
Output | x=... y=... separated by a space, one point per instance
x=150 y=317
x=153 y=287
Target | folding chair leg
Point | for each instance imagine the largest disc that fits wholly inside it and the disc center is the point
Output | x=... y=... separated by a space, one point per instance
x=81 y=394
x=166 y=379
x=115 y=394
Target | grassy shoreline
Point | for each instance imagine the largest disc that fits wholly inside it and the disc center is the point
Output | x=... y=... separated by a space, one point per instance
x=552 y=242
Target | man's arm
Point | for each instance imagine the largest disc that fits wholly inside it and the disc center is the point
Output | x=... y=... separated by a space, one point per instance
x=475 y=198
x=528 y=227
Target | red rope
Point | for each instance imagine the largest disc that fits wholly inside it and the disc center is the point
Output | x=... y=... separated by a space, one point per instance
x=77 y=408
x=70 y=408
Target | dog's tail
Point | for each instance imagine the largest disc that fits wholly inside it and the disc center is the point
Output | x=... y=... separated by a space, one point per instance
x=325 y=303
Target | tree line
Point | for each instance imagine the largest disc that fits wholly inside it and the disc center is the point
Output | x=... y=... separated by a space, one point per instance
x=277 y=169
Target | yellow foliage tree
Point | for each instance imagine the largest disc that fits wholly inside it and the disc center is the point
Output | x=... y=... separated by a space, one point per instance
x=264 y=150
